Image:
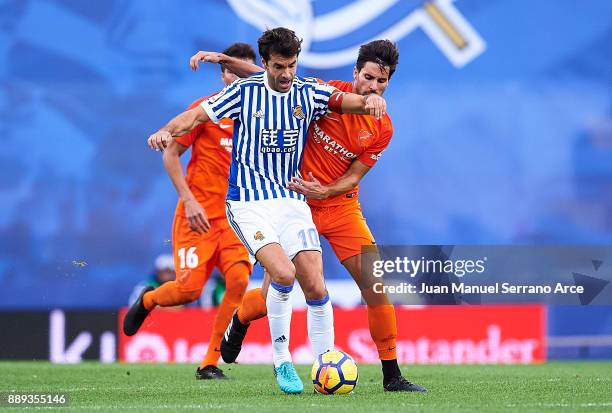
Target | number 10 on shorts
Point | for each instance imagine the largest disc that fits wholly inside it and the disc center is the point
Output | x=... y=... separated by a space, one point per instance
x=309 y=237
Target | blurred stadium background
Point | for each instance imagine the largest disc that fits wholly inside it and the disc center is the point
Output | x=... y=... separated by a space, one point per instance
x=503 y=135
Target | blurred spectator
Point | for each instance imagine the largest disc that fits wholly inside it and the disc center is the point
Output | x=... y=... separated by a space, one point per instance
x=164 y=272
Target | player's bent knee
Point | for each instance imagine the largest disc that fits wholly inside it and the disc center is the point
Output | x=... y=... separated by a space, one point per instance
x=313 y=284
x=284 y=278
x=316 y=294
x=283 y=274
x=239 y=285
x=314 y=289
x=373 y=297
x=237 y=278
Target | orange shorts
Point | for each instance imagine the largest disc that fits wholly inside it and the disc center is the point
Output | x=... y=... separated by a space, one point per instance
x=344 y=227
x=195 y=255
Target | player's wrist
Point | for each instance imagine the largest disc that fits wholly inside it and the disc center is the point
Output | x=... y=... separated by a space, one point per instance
x=165 y=129
x=188 y=198
x=371 y=97
x=326 y=192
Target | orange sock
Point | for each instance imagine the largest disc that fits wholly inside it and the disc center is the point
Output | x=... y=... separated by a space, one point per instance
x=168 y=295
x=253 y=306
x=236 y=280
x=383 y=328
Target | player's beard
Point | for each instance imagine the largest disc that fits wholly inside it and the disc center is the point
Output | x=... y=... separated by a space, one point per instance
x=283 y=87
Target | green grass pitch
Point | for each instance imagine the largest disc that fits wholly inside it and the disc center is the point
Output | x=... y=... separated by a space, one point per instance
x=551 y=387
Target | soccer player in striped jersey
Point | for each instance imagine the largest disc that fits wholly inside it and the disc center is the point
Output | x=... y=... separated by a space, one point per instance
x=272 y=112
x=202 y=239
x=341 y=149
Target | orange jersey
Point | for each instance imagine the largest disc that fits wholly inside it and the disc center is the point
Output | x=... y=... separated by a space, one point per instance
x=335 y=141
x=208 y=168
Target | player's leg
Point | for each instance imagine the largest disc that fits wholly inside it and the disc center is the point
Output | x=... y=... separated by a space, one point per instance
x=354 y=244
x=233 y=261
x=382 y=324
x=192 y=252
x=253 y=307
x=301 y=241
x=320 y=316
x=192 y=255
x=282 y=276
x=236 y=282
x=253 y=223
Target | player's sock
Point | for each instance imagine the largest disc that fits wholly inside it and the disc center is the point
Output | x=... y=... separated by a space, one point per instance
x=383 y=329
x=279 y=317
x=320 y=320
x=168 y=295
x=236 y=280
x=253 y=306
x=390 y=369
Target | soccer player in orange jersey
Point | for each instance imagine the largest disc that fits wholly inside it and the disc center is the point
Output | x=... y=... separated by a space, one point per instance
x=340 y=150
x=201 y=236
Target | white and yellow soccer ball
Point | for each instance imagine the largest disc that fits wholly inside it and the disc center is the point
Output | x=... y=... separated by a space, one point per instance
x=334 y=372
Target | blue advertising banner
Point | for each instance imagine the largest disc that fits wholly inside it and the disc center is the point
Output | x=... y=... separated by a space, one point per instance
x=502 y=115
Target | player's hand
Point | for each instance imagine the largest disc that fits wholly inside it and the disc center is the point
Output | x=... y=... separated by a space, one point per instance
x=198 y=220
x=159 y=140
x=311 y=189
x=206 y=57
x=375 y=105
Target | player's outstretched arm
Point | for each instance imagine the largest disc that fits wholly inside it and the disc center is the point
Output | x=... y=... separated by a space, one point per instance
x=195 y=214
x=371 y=104
x=313 y=189
x=239 y=67
x=178 y=126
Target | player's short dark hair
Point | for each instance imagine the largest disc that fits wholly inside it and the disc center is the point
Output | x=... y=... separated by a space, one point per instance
x=279 y=40
x=382 y=52
x=242 y=51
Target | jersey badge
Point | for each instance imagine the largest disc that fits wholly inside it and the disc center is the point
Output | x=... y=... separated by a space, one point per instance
x=298 y=112
x=364 y=134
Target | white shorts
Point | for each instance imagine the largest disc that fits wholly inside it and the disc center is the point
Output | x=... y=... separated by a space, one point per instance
x=285 y=221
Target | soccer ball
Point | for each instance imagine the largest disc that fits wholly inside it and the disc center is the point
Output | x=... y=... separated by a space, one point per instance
x=334 y=372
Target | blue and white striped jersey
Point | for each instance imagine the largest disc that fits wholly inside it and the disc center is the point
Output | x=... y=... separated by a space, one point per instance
x=270 y=130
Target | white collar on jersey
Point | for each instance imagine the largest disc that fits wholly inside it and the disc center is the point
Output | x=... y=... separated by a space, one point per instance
x=272 y=91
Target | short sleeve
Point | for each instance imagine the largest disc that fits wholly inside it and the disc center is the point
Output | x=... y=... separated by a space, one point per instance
x=322 y=93
x=373 y=153
x=225 y=104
